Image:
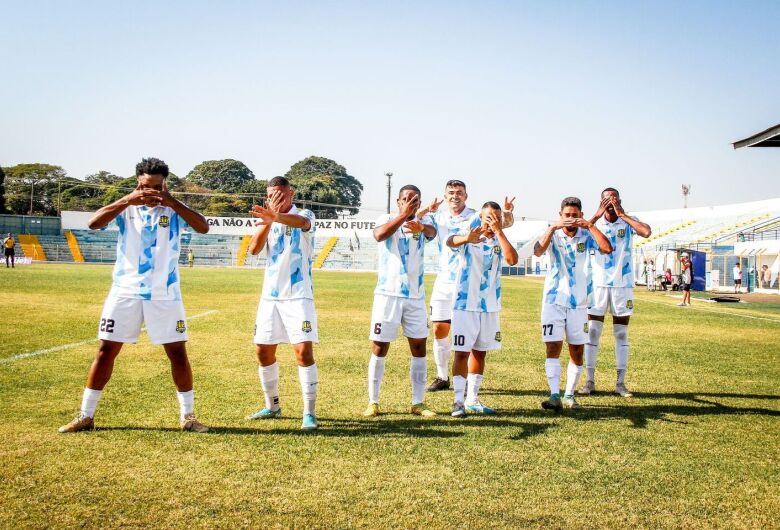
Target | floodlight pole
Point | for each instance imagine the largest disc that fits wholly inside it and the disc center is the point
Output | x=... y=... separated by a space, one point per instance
x=389 y=176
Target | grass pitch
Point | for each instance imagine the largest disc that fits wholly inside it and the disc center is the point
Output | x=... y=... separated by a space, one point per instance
x=697 y=446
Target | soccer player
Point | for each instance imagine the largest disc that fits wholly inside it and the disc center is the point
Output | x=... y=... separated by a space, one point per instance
x=568 y=243
x=613 y=287
x=399 y=297
x=448 y=221
x=737 y=277
x=476 y=328
x=145 y=288
x=286 y=310
x=8 y=247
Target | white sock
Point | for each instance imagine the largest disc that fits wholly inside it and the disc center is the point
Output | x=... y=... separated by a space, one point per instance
x=459 y=384
x=308 y=377
x=418 y=372
x=595 y=327
x=621 y=351
x=553 y=369
x=376 y=371
x=572 y=378
x=441 y=354
x=186 y=403
x=474 y=381
x=89 y=401
x=269 y=380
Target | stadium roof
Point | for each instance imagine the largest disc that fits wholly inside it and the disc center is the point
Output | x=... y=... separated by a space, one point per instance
x=767 y=138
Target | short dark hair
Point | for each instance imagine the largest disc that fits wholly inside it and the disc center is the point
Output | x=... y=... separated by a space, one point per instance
x=571 y=201
x=278 y=181
x=151 y=166
x=610 y=189
x=492 y=205
x=455 y=183
x=409 y=187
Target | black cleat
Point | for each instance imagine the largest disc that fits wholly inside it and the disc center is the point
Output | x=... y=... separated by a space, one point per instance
x=438 y=384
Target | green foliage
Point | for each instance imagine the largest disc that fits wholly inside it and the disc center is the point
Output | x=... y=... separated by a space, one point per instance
x=2 y=191
x=323 y=180
x=221 y=175
x=37 y=180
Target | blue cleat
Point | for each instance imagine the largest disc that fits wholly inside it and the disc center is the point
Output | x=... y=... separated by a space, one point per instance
x=479 y=408
x=265 y=414
x=309 y=422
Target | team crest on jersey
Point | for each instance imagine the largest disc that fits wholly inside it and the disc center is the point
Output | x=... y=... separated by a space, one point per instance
x=416 y=236
x=288 y=231
x=622 y=232
x=586 y=327
x=496 y=249
x=498 y=336
x=164 y=221
x=180 y=327
x=630 y=304
x=580 y=247
x=306 y=326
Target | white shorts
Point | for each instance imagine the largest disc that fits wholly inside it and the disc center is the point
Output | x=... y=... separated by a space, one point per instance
x=122 y=318
x=389 y=312
x=442 y=301
x=558 y=321
x=475 y=330
x=619 y=300
x=286 y=321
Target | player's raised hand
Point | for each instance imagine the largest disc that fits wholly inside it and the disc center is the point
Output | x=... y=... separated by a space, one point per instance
x=617 y=206
x=166 y=199
x=414 y=226
x=475 y=235
x=605 y=202
x=582 y=222
x=492 y=222
x=409 y=207
x=266 y=215
x=274 y=201
x=509 y=204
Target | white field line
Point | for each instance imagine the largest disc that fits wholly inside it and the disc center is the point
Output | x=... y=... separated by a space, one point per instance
x=20 y=356
x=713 y=311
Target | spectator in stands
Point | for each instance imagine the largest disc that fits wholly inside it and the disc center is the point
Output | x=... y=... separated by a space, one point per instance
x=687 y=278
x=650 y=271
x=737 y=278
x=667 y=280
x=8 y=247
x=190 y=257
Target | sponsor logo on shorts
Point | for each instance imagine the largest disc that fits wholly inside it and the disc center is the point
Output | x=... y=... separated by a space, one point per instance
x=164 y=221
x=630 y=304
x=498 y=336
x=622 y=232
x=306 y=326
x=586 y=327
x=180 y=327
x=580 y=247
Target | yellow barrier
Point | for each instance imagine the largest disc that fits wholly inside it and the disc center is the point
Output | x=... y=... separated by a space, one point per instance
x=73 y=244
x=323 y=255
x=31 y=247
x=242 y=249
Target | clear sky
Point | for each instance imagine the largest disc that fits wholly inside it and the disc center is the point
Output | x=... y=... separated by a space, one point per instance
x=534 y=99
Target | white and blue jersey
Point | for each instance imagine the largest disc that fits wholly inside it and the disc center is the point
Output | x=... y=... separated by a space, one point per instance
x=478 y=272
x=448 y=225
x=616 y=268
x=147 y=253
x=568 y=279
x=289 y=260
x=400 y=261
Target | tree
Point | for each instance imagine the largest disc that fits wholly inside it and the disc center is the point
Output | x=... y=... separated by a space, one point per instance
x=221 y=175
x=320 y=179
x=36 y=183
x=2 y=191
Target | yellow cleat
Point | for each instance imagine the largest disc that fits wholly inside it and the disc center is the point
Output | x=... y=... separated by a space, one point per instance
x=420 y=410
x=191 y=424
x=79 y=423
x=372 y=410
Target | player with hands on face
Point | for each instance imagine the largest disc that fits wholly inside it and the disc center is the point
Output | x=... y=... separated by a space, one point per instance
x=448 y=221
x=480 y=248
x=399 y=297
x=569 y=244
x=286 y=312
x=145 y=288
x=613 y=287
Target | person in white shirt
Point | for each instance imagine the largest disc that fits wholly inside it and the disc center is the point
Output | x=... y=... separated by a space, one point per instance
x=286 y=312
x=737 y=277
x=687 y=278
x=569 y=244
x=613 y=287
x=480 y=247
x=145 y=288
x=448 y=221
x=399 y=297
